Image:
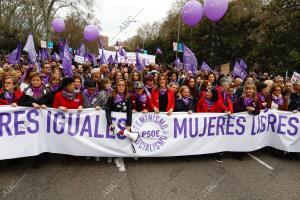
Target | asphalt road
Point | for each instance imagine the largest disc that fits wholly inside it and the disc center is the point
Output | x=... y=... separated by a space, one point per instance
x=262 y=176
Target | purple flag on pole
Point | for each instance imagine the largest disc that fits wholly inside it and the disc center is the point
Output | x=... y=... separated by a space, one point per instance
x=122 y=52
x=238 y=71
x=43 y=54
x=158 y=51
x=67 y=61
x=110 y=60
x=81 y=51
x=177 y=61
x=55 y=57
x=30 y=49
x=243 y=65
x=102 y=58
x=14 y=56
x=139 y=65
x=116 y=60
x=205 y=67
x=189 y=59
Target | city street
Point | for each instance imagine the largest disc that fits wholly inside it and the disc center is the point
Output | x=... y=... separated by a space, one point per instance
x=259 y=176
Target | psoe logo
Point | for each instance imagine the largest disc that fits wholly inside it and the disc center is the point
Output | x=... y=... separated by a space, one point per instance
x=152 y=129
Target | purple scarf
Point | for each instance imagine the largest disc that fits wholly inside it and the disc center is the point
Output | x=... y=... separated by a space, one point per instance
x=209 y=103
x=261 y=97
x=163 y=91
x=37 y=92
x=185 y=100
x=109 y=90
x=141 y=97
x=45 y=78
x=54 y=88
x=248 y=101
x=9 y=97
x=277 y=100
x=69 y=95
x=119 y=98
x=90 y=97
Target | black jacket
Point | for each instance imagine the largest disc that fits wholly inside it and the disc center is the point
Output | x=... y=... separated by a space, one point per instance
x=294 y=102
x=124 y=106
x=181 y=107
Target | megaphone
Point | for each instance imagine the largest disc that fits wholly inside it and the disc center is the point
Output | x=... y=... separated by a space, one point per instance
x=130 y=135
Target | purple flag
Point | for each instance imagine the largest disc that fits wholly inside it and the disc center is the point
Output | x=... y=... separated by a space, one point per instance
x=139 y=65
x=158 y=51
x=116 y=60
x=43 y=54
x=122 y=52
x=14 y=56
x=189 y=59
x=55 y=57
x=30 y=49
x=205 y=67
x=102 y=58
x=243 y=65
x=81 y=51
x=110 y=60
x=177 y=61
x=67 y=61
x=91 y=58
x=238 y=71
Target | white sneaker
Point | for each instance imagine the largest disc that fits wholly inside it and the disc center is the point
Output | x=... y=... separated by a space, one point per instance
x=120 y=164
x=135 y=158
x=87 y=157
x=109 y=160
x=97 y=159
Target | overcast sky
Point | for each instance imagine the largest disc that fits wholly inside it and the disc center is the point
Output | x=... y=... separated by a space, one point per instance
x=113 y=13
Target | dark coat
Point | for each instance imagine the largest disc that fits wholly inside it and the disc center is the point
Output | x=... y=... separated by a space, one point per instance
x=181 y=107
x=239 y=106
x=294 y=102
x=124 y=106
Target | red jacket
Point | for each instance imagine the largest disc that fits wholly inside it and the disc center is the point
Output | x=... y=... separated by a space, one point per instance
x=154 y=102
x=60 y=100
x=216 y=108
x=223 y=102
x=18 y=94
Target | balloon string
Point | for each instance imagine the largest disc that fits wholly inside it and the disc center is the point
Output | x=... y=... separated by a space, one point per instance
x=191 y=37
x=212 y=43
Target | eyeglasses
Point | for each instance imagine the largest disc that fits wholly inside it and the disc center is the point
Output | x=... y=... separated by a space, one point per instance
x=277 y=90
x=150 y=80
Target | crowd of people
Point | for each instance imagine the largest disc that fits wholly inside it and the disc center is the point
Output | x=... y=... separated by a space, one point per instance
x=157 y=88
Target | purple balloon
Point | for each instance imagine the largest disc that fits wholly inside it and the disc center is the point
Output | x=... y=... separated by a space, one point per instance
x=90 y=33
x=192 y=13
x=58 y=25
x=215 y=9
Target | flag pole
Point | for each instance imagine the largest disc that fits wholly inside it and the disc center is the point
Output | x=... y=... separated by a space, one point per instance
x=212 y=43
x=178 y=34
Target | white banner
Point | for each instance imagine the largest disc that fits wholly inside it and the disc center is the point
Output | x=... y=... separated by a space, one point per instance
x=131 y=57
x=27 y=132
